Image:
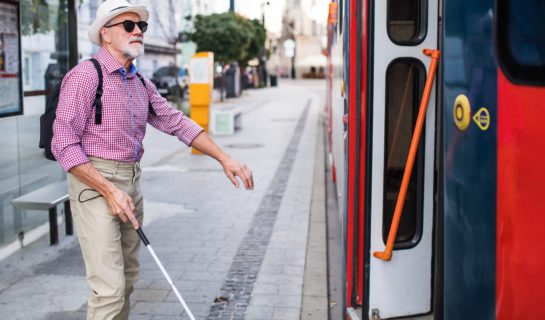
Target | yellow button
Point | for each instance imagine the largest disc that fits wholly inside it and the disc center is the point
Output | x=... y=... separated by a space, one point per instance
x=462 y=112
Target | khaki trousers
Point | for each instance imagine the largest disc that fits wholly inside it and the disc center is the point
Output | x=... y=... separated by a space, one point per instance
x=109 y=246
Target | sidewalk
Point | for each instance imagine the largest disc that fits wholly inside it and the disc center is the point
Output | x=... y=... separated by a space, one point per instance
x=233 y=254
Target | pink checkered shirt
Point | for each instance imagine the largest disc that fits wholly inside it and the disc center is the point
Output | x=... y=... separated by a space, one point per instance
x=124 y=115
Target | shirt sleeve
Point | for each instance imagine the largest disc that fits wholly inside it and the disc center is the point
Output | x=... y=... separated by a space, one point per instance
x=76 y=102
x=170 y=120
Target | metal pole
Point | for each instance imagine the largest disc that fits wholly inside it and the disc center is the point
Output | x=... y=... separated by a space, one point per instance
x=177 y=92
x=386 y=255
x=176 y=292
x=73 y=57
x=293 y=67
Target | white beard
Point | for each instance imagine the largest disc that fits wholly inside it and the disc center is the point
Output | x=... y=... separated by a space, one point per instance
x=131 y=52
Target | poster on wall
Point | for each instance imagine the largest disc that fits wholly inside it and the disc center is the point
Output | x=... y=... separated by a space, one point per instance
x=10 y=67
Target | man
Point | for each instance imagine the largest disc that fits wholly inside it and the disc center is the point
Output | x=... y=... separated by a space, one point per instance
x=102 y=160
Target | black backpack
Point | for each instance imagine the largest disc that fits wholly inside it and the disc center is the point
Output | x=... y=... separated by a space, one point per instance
x=48 y=117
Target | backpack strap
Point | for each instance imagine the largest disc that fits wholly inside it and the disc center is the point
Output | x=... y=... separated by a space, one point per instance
x=98 y=96
x=150 y=107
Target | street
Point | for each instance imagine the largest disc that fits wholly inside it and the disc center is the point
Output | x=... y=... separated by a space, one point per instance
x=232 y=253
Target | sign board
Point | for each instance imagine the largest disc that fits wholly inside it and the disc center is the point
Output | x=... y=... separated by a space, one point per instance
x=10 y=66
x=289 y=48
x=201 y=79
x=200 y=70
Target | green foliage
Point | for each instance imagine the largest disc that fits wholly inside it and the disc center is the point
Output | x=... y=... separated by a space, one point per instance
x=35 y=17
x=230 y=36
x=257 y=43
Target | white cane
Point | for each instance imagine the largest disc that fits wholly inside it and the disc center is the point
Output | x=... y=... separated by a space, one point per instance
x=147 y=244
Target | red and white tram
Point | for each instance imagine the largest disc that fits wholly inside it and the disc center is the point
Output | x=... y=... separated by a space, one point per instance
x=470 y=241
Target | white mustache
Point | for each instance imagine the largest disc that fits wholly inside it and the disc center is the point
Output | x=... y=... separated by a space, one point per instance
x=136 y=38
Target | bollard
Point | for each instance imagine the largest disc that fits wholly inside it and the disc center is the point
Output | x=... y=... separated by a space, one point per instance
x=201 y=75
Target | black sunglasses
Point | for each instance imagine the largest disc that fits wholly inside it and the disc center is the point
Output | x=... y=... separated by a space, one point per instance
x=129 y=25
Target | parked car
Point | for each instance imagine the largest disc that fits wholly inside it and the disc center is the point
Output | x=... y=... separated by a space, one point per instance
x=164 y=79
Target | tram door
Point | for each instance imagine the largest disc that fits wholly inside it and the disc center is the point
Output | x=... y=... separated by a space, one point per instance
x=401 y=30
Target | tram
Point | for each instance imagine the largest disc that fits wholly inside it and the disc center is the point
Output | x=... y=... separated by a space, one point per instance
x=470 y=242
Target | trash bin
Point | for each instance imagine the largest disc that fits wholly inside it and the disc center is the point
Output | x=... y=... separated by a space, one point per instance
x=232 y=81
x=274 y=80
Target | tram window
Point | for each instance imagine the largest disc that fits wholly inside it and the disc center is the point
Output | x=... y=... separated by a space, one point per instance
x=407 y=21
x=405 y=79
x=521 y=40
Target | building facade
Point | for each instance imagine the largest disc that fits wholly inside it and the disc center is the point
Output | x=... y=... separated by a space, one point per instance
x=308 y=29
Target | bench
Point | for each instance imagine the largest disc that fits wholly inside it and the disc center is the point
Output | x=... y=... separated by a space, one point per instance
x=225 y=120
x=12 y=187
x=47 y=198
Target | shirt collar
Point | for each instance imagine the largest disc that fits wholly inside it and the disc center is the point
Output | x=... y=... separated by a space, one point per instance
x=130 y=74
x=111 y=64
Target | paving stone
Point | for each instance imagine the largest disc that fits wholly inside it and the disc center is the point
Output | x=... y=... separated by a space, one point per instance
x=290 y=289
x=202 y=276
x=142 y=317
x=276 y=300
x=293 y=270
x=160 y=318
x=265 y=289
x=159 y=284
x=280 y=279
x=157 y=308
x=66 y=315
x=259 y=312
x=144 y=284
x=286 y=314
x=149 y=295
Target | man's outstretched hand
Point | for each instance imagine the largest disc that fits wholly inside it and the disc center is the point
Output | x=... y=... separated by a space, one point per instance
x=233 y=169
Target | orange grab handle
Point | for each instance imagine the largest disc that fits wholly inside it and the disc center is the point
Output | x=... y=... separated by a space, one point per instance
x=386 y=255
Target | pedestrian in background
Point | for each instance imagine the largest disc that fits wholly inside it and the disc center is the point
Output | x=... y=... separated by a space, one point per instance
x=102 y=160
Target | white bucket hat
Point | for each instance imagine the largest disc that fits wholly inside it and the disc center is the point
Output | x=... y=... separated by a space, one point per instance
x=110 y=9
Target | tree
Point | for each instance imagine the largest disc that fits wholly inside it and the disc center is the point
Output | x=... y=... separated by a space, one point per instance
x=257 y=42
x=35 y=17
x=230 y=36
